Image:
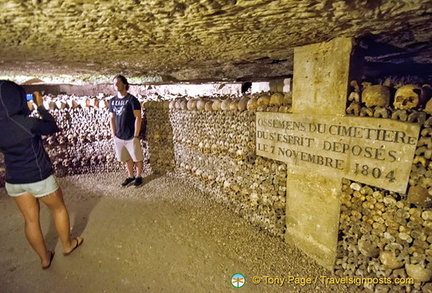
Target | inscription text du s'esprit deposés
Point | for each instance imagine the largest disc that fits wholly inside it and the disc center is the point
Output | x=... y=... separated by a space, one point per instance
x=370 y=150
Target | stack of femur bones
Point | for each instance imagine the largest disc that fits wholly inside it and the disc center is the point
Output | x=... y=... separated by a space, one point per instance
x=387 y=234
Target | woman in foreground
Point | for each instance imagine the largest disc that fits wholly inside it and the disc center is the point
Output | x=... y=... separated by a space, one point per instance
x=29 y=171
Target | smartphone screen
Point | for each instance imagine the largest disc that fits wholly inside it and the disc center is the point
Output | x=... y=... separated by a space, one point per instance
x=29 y=97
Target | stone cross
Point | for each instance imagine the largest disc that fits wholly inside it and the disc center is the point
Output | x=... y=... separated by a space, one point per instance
x=321 y=146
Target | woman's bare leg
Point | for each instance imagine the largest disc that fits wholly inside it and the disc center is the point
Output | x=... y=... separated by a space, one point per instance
x=54 y=201
x=30 y=208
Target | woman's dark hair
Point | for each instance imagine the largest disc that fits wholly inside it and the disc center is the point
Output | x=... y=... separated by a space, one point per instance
x=123 y=79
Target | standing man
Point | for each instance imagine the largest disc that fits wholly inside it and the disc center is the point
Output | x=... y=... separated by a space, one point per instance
x=125 y=122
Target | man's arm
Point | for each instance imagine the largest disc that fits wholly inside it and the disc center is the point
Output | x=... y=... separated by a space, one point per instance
x=112 y=124
x=138 y=119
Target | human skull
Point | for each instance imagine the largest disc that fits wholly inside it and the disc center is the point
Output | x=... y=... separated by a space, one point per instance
x=233 y=105
x=200 y=104
x=426 y=98
x=217 y=105
x=191 y=105
x=376 y=95
x=51 y=140
x=276 y=99
x=252 y=104
x=62 y=140
x=242 y=105
x=109 y=158
x=407 y=97
x=71 y=138
x=208 y=106
x=166 y=104
x=428 y=107
x=183 y=105
x=172 y=104
x=263 y=101
x=225 y=104
x=147 y=104
x=178 y=104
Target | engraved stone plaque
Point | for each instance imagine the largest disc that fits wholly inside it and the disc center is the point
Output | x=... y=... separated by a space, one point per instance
x=374 y=151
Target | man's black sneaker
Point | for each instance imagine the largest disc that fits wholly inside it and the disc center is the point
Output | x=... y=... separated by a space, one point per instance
x=138 y=181
x=128 y=181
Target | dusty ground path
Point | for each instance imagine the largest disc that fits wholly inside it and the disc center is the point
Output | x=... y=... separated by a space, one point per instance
x=164 y=236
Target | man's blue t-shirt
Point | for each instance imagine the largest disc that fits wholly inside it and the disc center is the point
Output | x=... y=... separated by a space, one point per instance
x=124 y=116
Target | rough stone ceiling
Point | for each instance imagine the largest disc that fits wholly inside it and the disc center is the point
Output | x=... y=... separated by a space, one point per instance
x=186 y=40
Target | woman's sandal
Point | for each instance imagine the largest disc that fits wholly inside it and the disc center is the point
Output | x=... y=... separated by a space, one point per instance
x=51 y=259
x=78 y=243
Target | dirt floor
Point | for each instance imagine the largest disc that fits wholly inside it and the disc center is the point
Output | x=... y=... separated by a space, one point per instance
x=164 y=236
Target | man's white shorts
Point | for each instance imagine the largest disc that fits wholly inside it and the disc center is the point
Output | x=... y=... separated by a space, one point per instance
x=126 y=150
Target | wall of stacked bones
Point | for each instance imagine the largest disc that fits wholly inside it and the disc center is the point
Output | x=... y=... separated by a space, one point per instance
x=382 y=233
x=210 y=142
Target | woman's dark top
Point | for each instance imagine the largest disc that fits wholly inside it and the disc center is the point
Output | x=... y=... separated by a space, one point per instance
x=20 y=136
